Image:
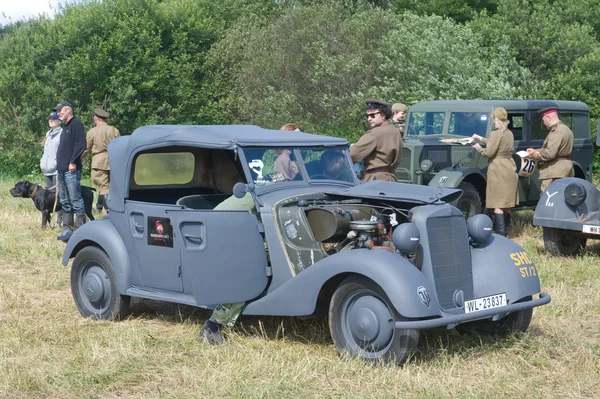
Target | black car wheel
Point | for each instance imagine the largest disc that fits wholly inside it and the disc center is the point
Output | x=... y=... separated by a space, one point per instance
x=361 y=321
x=469 y=202
x=516 y=322
x=93 y=285
x=562 y=242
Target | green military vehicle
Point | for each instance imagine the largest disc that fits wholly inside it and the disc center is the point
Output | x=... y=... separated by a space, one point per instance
x=436 y=151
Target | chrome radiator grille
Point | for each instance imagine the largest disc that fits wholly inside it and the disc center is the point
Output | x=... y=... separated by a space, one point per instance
x=450 y=258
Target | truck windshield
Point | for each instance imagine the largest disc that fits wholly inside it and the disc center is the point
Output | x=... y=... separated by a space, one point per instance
x=468 y=123
x=460 y=124
x=425 y=123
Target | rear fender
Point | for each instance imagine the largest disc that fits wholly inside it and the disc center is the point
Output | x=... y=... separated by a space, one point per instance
x=399 y=278
x=500 y=266
x=102 y=234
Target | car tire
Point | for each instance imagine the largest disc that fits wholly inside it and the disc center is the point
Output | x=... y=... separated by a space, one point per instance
x=469 y=202
x=562 y=242
x=516 y=322
x=93 y=285
x=359 y=306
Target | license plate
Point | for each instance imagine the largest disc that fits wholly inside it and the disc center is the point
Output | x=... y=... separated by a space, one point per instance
x=488 y=302
x=591 y=229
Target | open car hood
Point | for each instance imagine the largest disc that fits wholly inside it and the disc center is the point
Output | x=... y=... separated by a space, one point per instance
x=418 y=194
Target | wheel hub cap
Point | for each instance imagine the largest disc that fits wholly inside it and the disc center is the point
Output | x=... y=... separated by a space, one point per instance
x=93 y=285
x=371 y=322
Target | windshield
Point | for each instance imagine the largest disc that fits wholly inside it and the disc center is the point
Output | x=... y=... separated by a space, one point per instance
x=280 y=165
x=460 y=124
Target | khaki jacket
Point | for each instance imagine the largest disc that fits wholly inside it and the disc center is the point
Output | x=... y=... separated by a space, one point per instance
x=380 y=149
x=502 y=179
x=284 y=165
x=556 y=153
x=97 y=141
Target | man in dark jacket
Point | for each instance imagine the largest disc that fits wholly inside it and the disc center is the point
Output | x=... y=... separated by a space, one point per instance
x=68 y=165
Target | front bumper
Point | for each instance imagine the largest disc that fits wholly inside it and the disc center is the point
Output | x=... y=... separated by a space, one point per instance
x=462 y=318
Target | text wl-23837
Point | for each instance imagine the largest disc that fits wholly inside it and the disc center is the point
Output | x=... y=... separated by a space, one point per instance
x=524 y=263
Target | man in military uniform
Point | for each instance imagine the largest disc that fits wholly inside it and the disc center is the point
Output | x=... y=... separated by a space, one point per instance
x=380 y=147
x=97 y=139
x=398 y=112
x=556 y=150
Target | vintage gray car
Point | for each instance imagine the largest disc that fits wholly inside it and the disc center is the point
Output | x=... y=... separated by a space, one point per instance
x=383 y=260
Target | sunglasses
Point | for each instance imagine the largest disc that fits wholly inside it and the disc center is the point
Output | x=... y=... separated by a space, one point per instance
x=373 y=115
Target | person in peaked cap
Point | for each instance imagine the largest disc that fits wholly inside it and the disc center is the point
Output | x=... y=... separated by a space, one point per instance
x=556 y=150
x=501 y=189
x=379 y=148
x=398 y=113
x=68 y=165
x=97 y=140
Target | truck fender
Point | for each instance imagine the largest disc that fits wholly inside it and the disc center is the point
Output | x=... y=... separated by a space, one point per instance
x=102 y=234
x=399 y=279
x=512 y=270
x=452 y=177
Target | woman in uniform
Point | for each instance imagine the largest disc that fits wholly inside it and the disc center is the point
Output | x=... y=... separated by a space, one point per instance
x=501 y=191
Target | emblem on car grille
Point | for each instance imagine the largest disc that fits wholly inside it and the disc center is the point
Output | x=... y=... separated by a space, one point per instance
x=443 y=179
x=424 y=296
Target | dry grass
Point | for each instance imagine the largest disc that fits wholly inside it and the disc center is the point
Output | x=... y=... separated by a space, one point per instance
x=47 y=350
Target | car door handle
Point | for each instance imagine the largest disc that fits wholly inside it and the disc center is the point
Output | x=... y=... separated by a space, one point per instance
x=138 y=227
x=193 y=238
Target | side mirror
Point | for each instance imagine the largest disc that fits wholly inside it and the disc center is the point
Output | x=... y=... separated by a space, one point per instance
x=240 y=190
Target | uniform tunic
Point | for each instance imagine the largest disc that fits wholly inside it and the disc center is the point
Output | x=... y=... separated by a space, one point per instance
x=284 y=165
x=97 y=141
x=380 y=150
x=556 y=154
x=502 y=179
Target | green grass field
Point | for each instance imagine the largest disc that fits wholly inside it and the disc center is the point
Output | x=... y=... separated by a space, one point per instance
x=47 y=350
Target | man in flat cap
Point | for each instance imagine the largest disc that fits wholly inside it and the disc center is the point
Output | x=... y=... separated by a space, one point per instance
x=380 y=147
x=398 y=112
x=556 y=150
x=68 y=165
x=98 y=138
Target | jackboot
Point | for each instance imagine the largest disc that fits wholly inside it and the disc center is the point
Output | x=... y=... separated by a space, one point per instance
x=507 y=222
x=79 y=220
x=59 y=215
x=499 y=224
x=105 y=202
x=67 y=220
x=99 y=203
x=211 y=333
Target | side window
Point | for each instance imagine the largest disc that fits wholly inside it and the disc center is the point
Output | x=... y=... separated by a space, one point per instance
x=581 y=126
x=538 y=130
x=157 y=169
x=516 y=125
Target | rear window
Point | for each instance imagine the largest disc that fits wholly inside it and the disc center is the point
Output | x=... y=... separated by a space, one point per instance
x=170 y=168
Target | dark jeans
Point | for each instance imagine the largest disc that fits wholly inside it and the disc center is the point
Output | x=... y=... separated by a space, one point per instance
x=50 y=181
x=69 y=191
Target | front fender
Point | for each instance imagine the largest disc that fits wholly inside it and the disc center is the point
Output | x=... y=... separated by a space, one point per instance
x=399 y=278
x=102 y=234
x=503 y=266
x=452 y=177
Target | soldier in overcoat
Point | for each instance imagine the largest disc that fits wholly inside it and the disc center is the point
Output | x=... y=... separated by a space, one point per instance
x=379 y=148
x=502 y=179
x=556 y=150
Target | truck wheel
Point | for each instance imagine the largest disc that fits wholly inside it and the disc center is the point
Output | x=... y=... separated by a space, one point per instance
x=517 y=322
x=361 y=321
x=562 y=242
x=469 y=202
x=93 y=285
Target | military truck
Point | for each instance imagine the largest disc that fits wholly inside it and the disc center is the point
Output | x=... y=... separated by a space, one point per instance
x=428 y=160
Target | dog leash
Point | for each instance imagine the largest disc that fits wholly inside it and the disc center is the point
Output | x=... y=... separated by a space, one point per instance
x=55 y=201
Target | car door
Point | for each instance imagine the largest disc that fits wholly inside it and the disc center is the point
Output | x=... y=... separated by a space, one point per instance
x=518 y=127
x=158 y=259
x=222 y=254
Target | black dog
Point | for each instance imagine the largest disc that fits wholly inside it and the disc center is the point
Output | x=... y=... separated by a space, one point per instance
x=43 y=198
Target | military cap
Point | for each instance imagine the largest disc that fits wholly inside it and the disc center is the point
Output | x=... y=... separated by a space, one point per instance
x=62 y=104
x=397 y=107
x=500 y=113
x=545 y=111
x=373 y=103
x=100 y=113
x=53 y=116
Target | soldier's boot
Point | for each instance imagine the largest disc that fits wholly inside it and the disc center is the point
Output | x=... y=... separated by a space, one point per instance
x=79 y=220
x=99 y=204
x=59 y=215
x=211 y=333
x=507 y=222
x=500 y=225
x=67 y=220
x=105 y=202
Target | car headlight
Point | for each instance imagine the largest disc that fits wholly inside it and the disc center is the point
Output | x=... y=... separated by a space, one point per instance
x=406 y=238
x=426 y=165
x=480 y=228
x=575 y=194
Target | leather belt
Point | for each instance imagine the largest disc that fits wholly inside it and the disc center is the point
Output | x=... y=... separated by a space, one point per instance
x=383 y=169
